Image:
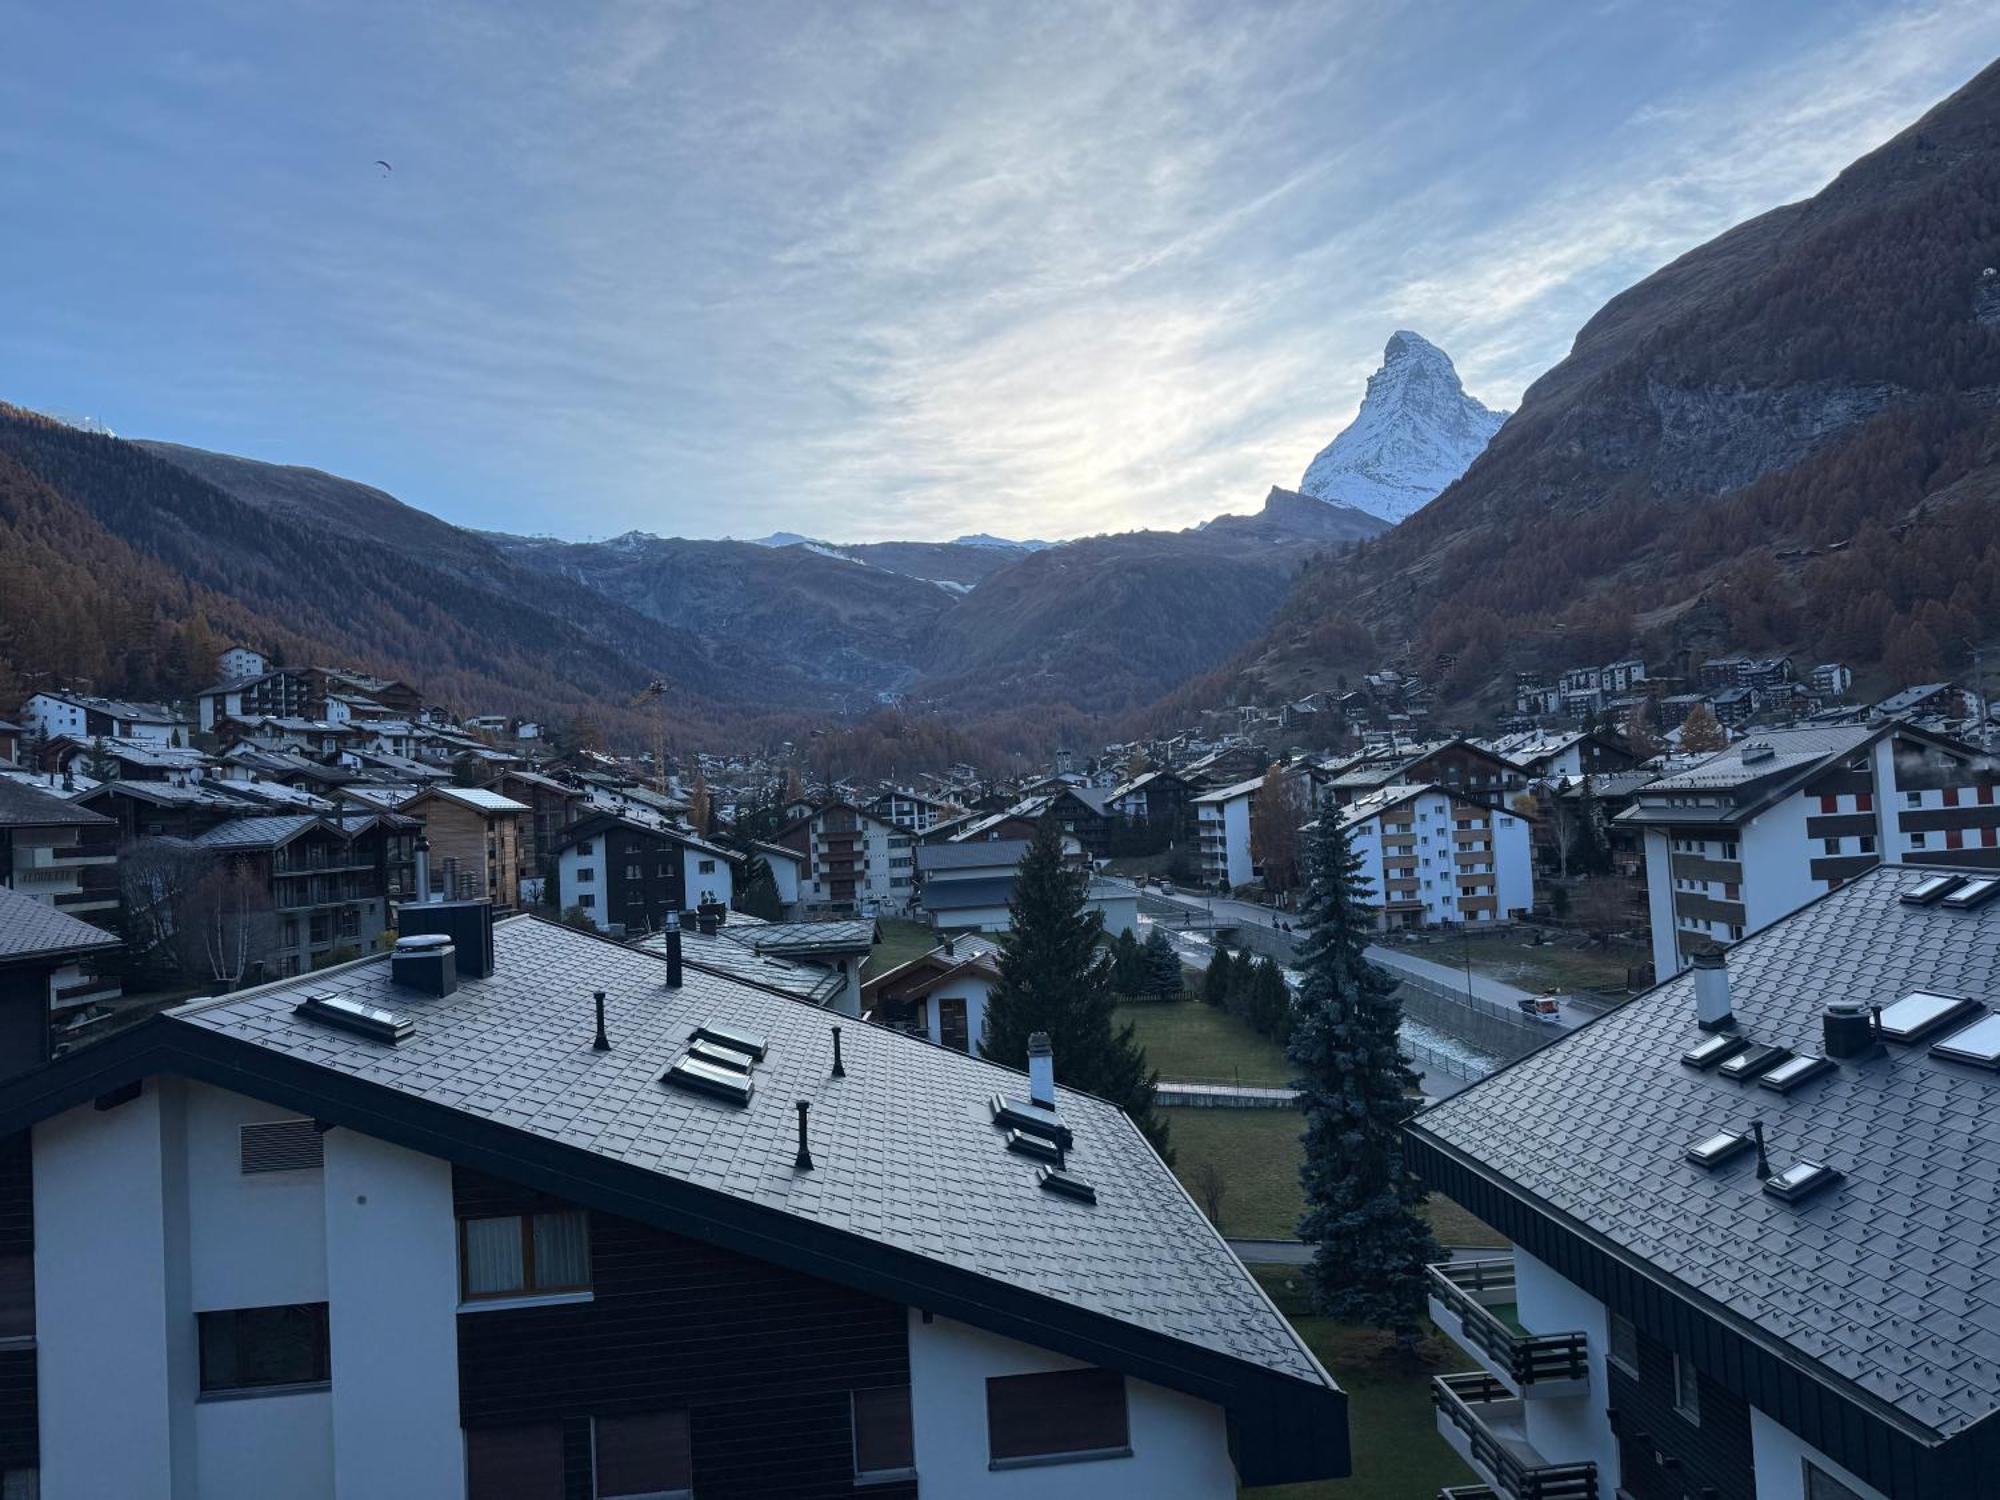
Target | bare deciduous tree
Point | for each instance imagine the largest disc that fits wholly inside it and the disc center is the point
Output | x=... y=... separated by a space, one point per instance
x=1211 y=1186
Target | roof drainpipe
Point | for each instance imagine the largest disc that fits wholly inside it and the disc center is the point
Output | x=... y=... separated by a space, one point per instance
x=1041 y=1070
x=673 y=958
x=1711 y=991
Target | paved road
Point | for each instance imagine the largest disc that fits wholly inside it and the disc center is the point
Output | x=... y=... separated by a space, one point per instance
x=1453 y=980
x=1225 y=909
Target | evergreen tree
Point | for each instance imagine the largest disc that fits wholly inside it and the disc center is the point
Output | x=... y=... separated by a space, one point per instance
x=758 y=895
x=1163 y=965
x=1361 y=1200
x=1216 y=982
x=98 y=764
x=1053 y=979
x=1128 y=965
x=1272 y=1002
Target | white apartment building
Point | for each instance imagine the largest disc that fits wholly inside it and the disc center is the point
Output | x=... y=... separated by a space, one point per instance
x=1222 y=833
x=84 y=717
x=856 y=861
x=1754 y=832
x=1430 y=857
x=532 y=1215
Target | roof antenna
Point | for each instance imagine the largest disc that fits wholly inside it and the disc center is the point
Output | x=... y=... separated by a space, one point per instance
x=603 y=1042
x=804 y=1160
x=838 y=1070
x=1763 y=1161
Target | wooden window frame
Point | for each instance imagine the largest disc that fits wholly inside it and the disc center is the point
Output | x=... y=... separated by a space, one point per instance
x=528 y=1288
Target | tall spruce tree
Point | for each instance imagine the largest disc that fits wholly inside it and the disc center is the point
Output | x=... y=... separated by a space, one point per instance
x=1361 y=1199
x=1216 y=982
x=1163 y=965
x=1053 y=978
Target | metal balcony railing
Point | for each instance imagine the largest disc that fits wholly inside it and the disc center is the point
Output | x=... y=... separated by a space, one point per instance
x=1469 y=1290
x=1477 y=1405
x=1468 y=1492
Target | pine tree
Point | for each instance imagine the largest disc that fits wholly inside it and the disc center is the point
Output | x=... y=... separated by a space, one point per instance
x=1272 y=1005
x=1053 y=979
x=1128 y=965
x=1220 y=976
x=1163 y=965
x=1361 y=1200
x=758 y=895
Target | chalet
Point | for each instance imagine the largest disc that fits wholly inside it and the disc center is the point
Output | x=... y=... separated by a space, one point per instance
x=11 y=735
x=474 y=841
x=83 y=717
x=127 y=760
x=1563 y=756
x=421 y=1226
x=552 y=807
x=59 y=853
x=1080 y=812
x=631 y=877
x=909 y=810
x=1152 y=797
x=940 y=995
x=50 y=996
x=162 y=809
x=1459 y=765
x=1941 y=698
x=1749 y=1217
x=238 y=662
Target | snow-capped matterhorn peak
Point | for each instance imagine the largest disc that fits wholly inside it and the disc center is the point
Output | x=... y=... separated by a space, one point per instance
x=1416 y=432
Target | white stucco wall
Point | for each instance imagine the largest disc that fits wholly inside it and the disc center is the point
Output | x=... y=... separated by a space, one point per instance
x=719 y=882
x=1568 y=1429
x=1180 y=1446
x=973 y=990
x=392 y=1270
x=570 y=884
x=1777 y=863
x=1513 y=864
x=1660 y=904
x=255 y=1241
x=1779 y=1455
x=1121 y=913
x=277 y=1447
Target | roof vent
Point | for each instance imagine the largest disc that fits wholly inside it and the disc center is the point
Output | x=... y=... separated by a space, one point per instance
x=281 y=1146
x=357 y=1017
x=426 y=962
x=1848 y=1030
x=1757 y=750
x=1928 y=892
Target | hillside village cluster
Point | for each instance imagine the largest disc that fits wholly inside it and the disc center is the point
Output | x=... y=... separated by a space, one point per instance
x=552 y=1049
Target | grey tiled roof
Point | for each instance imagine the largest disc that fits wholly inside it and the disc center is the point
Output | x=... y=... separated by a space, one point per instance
x=1883 y=1282
x=25 y=807
x=1792 y=750
x=995 y=852
x=907 y=1154
x=812 y=983
x=34 y=929
x=254 y=833
x=802 y=937
x=961 y=895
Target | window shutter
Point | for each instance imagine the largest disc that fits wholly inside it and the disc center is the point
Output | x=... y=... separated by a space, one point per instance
x=283 y=1146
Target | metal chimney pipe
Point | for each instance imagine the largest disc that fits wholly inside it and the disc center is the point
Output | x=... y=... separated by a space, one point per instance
x=1041 y=1070
x=838 y=1070
x=603 y=1042
x=673 y=958
x=804 y=1160
x=1763 y=1161
x=1711 y=990
x=423 y=870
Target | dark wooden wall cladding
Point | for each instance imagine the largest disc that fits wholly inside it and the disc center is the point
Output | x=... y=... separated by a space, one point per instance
x=1715 y=1453
x=762 y=1358
x=19 y=1439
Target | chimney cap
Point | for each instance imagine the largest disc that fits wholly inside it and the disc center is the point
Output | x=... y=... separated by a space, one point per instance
x=1709 y=957
x=423 y=942
x=1038 y=1044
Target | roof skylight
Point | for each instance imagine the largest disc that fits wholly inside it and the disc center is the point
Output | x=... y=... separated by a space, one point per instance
x=1978 y=1044
x=1749 y=1064
x=1794 y=1072
x=1922 y=1012
x=1066 y=1186
x=1975 y=892
x=1717 y=1149
x=722 y=1057
x=1925 y=892
x=1025 y=1114
x=344 y=1013
x=736 y=1041
x=1039 y=1147
x=696 y=1076
x=1800 y=1180
x=1707 y=1053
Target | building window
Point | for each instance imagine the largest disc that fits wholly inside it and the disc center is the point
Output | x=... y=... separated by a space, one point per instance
x=1687 y=1390
x=1064 y=1414
x=1833 y=846
x=586 y=900
x=1867 y=843
x=643 y=1456
x=1913 y=799
x=635 y=872
x=1624 y=1350
x=514 y=1463
x=1821 y=1485
x=706 y=867
x=1729 y=851
x=586 y=872
x=884 y=1447
x=524 y=1255
x=1917 y=841
x=1864 y=802
x=263 y=1348
x=17 y=1296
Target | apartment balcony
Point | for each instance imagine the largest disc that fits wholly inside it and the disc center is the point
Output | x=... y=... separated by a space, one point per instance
x=1484 y=1423
x=1472 y=1301
x=90 y=991
x=1468 y=1492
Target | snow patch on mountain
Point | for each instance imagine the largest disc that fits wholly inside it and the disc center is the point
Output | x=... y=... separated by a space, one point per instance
x=987 y=539
x=1416 y=432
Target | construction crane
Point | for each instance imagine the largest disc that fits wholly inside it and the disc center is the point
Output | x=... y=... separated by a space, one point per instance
x=655 y=692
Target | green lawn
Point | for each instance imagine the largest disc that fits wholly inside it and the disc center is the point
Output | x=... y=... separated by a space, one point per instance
x=1186 y=1039
x=902 y=940
x=1397 y=1452
x=1259 y=1152
x=1539 y=968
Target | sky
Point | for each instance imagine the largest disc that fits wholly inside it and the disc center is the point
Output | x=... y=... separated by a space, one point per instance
x=864 y=271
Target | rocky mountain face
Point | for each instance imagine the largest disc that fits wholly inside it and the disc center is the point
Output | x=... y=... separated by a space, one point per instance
x=1786 y=439
x=1416 y=432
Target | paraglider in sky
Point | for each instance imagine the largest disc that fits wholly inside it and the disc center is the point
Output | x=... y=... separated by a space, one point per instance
x=386 y=168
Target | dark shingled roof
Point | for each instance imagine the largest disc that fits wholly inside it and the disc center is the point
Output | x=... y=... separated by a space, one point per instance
x=1881 y=1285
x=31 y=929
x=813 y=983
x=25 y=807
x=906 y=1152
